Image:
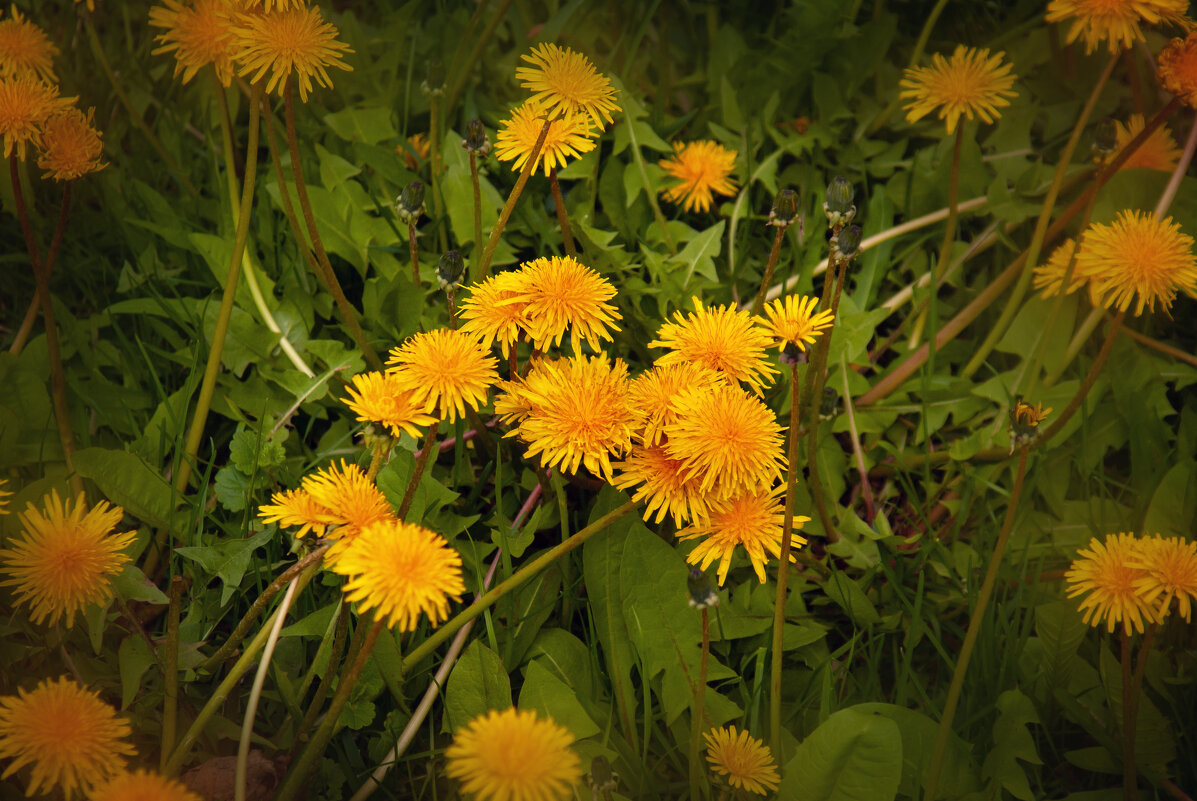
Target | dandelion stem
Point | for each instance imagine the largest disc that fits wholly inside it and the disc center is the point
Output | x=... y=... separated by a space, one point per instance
x=696 y=722
x=783 y=567
x=348 y=313
x=418 y=472
x=1087 y=384
x=414 y=249
x=759 y=303
x=1155 y=344
x=483 y=267
x=301 y=240
x=170 y=671
x=30 y=318
x=974 y=628
x=567 y=237
x=1178 y=174
x=477 y=210
x=854 y=434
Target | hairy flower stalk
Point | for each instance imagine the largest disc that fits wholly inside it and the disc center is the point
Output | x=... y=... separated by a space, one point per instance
x=567 y=237
x=482 y=269
x=783 y=564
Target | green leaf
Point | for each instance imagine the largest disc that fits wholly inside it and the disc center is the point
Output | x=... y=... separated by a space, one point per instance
x=313 y=625
x=127 y=481
x=851 y=757
x=132 y=585
x=227 y=560
x=958 y=775
x=566 y=657
x=369 y=125
x=249 y=450
x=1061 y=632
x=1174 y=501
x=134 y=657
x=700 y=252
x=1012 y=742
x=232 y=488
x=852 y=599
x=478 y=684
x=531 y=606
x=550 y=696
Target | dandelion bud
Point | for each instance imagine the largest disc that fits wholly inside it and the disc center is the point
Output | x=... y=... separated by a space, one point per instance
x=829 y=404
x=1105 y=140
x=1024 y=422
x=602 y=778
x=785 y=208
x=411 y=202
x=476 y=140
x=847 y=244
x=450 y=269
x=434 y=83
x=839 y=208
x=698 y=587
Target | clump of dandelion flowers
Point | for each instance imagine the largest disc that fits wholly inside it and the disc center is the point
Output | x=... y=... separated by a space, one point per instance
x=970 y=83
x=292 y=44
x=143 y=785
x=560 y=293
x=720 y=338
x=653 y=391
x=793 y=321
x=1158 y=151
x=66 y=559
x=377 y=397
x=753 y=520
x=198 y=34
x=742 y=760
x=26 y=102
x=567 y=138
x=495 y=310
x=703 y=170
x=663 y=482
x=1104 y=576
x=71 y=738
x=1139 y=258
x=1115 y=22
x=567 y=84
x=445 y=369
x=25 y=48
x=1178 y=68
x=70 y=145
x=1169 y=572
x=292 y=508
x=513 y=755
x=402 y=571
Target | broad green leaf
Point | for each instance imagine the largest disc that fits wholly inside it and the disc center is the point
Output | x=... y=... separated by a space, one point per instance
x=370 y=125
x=334 y=170
x=227 y=560
x=132 y=585
x=313 y=625
x=134 y=658
x=126 y=480
x=478 y=684
x=958 y=775
x=252 y=450
x=699 y=254
x=846 y=592
x=232 y=488
x=565 y=656
x=1061 y=631
x=551 y=697
x=1174 y=501
x=1012 y=743
x=530 y=607
x=852 y=756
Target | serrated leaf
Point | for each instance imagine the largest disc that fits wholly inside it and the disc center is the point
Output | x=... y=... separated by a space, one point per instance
x=852 y=756
x=249 y=451
x=700 y=252
x=226 y=560
x=1012 y=743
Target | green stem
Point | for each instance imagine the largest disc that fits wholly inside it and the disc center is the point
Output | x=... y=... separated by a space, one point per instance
x=816 y=376
x=699 y=713
x=414 y=250
x=170 y=671
x=348 y=313
x=1014 y=303
x=418 y=472
x=477 y=210
x=463 y=71
x=759 y=304
x=974 y=628
x=483 y=268
x=783 y=568
x=1130 y=778
x=516 y=580
x=567 y=237
x=652 y=197
x=1086 y=385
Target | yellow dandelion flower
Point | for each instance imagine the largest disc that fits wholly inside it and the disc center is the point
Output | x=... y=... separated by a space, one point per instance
x=298 y=508
x=270 y=5
x=350 y=497
x=66 y=558
x=743 y=761
x=704 y=169
x=1105 y=575
x=70 y=145
x=727 y=438
x=422 y=147
x=792 y=321
x=567 y=138
x=720 y=338
x=1138 y=257
x=1115 y=22
x=567 y=84
x=1169 y=571
x=1158 y=151
x=1030 y=416
x=1049 y=277
x=198 y=34
x=653 y=391
x=754 y=519
x=143 y=786
x=513 y=755
x=561 y=293
x=447 y=370
x=4 y=496
x=664 y=483
x=25 y=48
x=1178 y=68
x=970 y=83
x=401 y=570
x=295 y=44
x=494 y=311
x=26 y=102
x=72 y=739
x=378 y=398
x=578 y=412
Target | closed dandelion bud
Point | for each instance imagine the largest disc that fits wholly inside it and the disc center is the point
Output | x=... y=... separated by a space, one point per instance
x=838 y=207
x=434 y=83
x=847 y=244
x=411 y=202
x=785 y=208
x=701 y=593
x=829 y=404
x=1105 y=140
x=1024 y=422
x=476 y=140
x=450 y=269
x=602 y=778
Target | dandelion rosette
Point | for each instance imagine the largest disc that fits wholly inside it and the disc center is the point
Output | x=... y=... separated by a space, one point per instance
x=26 y=102
x=377 y=397
x=567 y=138
x=664 y=483
x=567 y=84
x=1158 y=151
x=970 y=83
x=402 y=571
x=1118 y=23
x=72 y=739
x=25 y=48
x=512 y=755
x=66 y=558
x=1169 y=572
x=742 y=760
x=142 y=785
x=1139 y=258
x=653 y=391
x=703 y=169
x=448 y=370
x=1104 y=577
x=560 y=293
x=793 y=321
x=495 y=310
x=199 y=34
x=754 y=520
x=720 y=338
x=291 y=44
x=70 y=145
